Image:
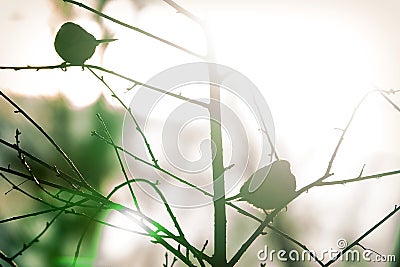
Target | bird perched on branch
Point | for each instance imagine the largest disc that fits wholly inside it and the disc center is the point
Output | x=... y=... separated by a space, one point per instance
x=278 y=185
x=74 y=44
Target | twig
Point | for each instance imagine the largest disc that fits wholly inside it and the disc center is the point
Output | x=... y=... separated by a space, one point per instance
x=67 y=178
x=129 y=110
x=68 y=204
x=136 y=29
x=154 y=166
x=95 y=198
x=36 y=238
x=56 y=146
x=254 y=236
x=162 y=91
x=27 y=215
x=7 y=259
x=135 y=201
x=396 y=107
x=360 y=178
x=37 y=68
x=181 y=239
x=64 y=66
x=23 y=161
x=265 y=131
x=160 y=240
x=328 y=169
x=21 y=157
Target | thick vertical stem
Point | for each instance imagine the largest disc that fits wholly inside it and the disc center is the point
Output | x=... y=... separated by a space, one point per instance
x=219 y=258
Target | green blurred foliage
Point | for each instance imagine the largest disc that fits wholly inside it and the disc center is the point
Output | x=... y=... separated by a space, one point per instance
x=71 y=129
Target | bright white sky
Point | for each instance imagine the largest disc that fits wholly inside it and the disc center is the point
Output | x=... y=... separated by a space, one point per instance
x=312 y=60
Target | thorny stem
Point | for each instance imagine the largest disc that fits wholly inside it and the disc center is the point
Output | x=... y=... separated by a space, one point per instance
x=162 y=91
x=358 y=179
x=64 y=66
x=218 y=178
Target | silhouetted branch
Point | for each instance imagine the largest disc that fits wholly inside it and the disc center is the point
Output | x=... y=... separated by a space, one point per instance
x=349 y=123
x=274 y=153
x=64 y=67
x=135 y=201
x=183 y=181
x=7 y=259
x=254 y=235
x=47 y=136
x=161 y=91
x=37 y=68
x=358 y=179
x=129 y=110
x=37 y=237
x=136 y=29
x=181 y=238
x=58 y=173
x=328 y=169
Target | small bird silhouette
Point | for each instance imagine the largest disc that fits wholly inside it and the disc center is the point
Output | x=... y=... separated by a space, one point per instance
x=74 y=44
x=277 y=187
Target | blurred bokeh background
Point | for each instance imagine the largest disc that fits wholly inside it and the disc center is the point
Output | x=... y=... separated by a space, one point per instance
x=312 y=60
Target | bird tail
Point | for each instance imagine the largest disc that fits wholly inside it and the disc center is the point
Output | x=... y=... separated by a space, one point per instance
x=106 y=40
x=235 y=197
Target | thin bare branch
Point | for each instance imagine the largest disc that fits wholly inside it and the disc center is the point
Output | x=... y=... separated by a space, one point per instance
x=135 y=201
x=50 y=139
x=136 y=29
x=183 y=181
x=396 y=107
x=64 y=66
x=7 y=259
x=358 y=179
x=129 y=110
